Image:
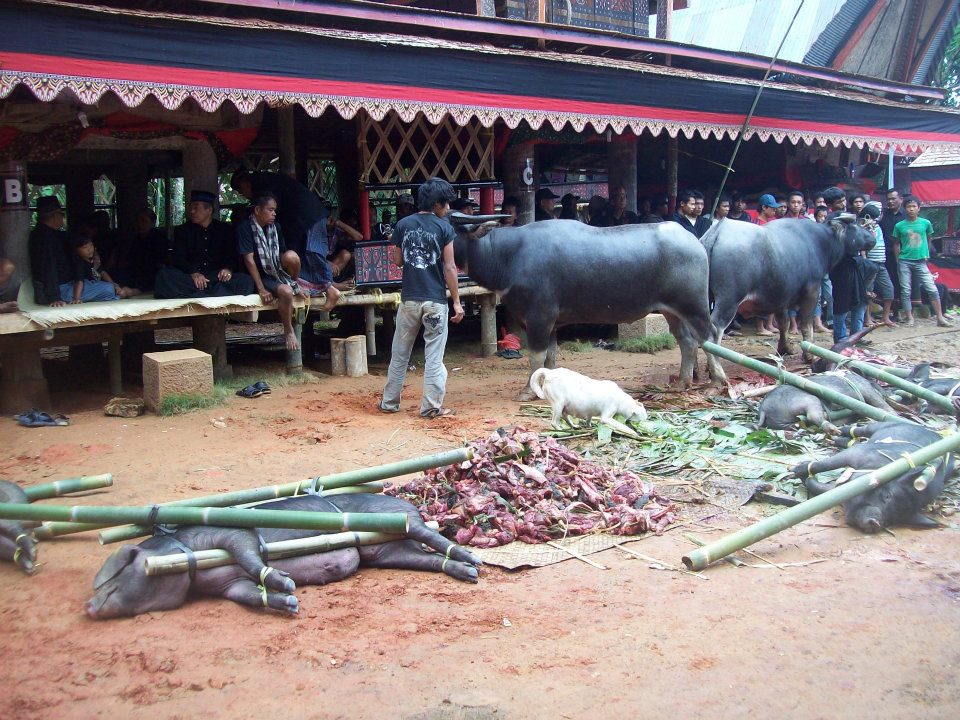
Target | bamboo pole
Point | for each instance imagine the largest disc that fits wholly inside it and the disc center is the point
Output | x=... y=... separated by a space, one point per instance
x=824 y=393
x=270 y=492
x=178 y=562
x=226 y=517
x=65 y=487
x=702 y=557
x=881 y=374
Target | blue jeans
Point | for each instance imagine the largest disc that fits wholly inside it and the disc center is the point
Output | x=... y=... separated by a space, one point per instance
x=316 y=269
x=840 y=322
x=93 y=291
x=411 y=315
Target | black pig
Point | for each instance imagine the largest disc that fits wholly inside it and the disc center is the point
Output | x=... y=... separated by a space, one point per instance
x=895 y=503
x=781 y=407
x=123 y=587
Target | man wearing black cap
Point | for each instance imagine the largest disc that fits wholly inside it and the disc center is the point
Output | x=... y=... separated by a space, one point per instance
x=51 y=257
x=568 y=207
x=204 y=256
x=546 y=201
x=465 y=206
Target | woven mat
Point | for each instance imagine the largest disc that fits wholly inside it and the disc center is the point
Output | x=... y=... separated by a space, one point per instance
x=520 y=554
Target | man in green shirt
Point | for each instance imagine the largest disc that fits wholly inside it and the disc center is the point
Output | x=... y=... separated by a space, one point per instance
x=912 y=249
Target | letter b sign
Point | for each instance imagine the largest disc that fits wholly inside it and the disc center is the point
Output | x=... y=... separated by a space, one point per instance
x=14 y=195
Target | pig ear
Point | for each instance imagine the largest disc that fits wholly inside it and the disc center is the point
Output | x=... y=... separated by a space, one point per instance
x=115 y=564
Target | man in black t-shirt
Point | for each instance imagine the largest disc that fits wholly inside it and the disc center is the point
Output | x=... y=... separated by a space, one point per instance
x=422 y=244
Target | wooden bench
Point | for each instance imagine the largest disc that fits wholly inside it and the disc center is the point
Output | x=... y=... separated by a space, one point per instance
x=22 y=384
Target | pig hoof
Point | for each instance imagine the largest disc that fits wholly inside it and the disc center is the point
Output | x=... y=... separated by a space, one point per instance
x=291 y=605
x=800 y=470
x=525 y=395
x=471 y=574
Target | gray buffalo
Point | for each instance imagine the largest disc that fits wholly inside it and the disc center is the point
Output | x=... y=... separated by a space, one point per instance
x=772 y=268
x=562 y=272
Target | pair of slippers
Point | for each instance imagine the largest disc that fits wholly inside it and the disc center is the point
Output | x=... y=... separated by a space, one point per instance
x=38 y=418
x=429 y=414
x=255 y=390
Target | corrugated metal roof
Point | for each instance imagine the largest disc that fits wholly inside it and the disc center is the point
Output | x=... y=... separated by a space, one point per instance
x=935 y=51
x=937 y=158
x=836 y=31
x=754 y=27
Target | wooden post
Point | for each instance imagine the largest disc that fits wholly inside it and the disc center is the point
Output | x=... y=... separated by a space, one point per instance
x=295 y=357
x=22 y=385
x=622 y=167
x=513 y=169
x=15 y=215
x=200 y=169
x=370 y=322
x=132 y=184
x=287 y=140
x=951 y=217
x=486 y=201
x=210 y=335
x=488 y=325
x=356 y=355
x=672 y=189
x=365 y=213
x=114 y=364
x=338 y=356
x=79 y=186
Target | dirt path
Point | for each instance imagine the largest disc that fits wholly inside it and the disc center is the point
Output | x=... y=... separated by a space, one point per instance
x=870 y=631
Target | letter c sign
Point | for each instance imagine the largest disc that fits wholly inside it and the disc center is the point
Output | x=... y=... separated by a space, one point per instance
x=527 y=175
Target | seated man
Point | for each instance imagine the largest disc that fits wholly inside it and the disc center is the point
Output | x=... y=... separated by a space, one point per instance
x=9 y=286
x=51 y=258
x=342 y=239
x=204 y=257
x=138 y=256
x=274 y=269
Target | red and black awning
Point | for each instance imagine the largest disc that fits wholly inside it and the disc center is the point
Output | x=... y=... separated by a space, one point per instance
x=936 y=185
x=54 y=49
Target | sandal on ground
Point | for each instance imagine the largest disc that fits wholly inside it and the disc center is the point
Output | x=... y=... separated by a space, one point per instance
x=438 y=412
x=250 y=391
x=262 y=386
x=38 y=418
x=382 y=409
x=734 y=333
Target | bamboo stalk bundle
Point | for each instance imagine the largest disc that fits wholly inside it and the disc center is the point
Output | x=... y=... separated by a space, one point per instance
x=827 y=394
x=270 y=492
x=226 y=517
x=872 y=371
x=178 y=562
x=702 y=557
x=65 y=487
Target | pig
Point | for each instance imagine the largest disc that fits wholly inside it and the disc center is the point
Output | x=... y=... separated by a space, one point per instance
x=844 y=347
x=782 y=407
x=570 y=393
x=949 y=387
x=16 y=541
x=895 y=503
x=122 y=587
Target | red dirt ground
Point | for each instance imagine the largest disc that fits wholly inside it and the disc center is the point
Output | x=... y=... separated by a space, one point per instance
x=872 y=631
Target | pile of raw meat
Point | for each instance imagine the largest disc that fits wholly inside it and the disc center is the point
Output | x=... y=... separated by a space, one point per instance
x=549 y=493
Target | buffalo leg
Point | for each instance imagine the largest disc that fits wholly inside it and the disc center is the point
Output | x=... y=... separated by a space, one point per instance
x=784 y=346
x=805 y=309
x=408 y=555
x=246 y=592
x=550 y=361
x=688 y=348
x=540 y=329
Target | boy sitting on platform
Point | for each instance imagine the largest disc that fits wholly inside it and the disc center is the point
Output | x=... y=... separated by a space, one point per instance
x=91 y=284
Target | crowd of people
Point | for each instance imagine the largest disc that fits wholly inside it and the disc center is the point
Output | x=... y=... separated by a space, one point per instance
x=893 y=273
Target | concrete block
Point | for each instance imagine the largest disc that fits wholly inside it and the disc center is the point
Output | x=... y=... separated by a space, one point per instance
x=653 y=324
x=175 y=372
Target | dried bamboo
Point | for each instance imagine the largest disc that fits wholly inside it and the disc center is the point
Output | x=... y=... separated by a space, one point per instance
x=178 y=562
x=226 y=517
x=872 y=371
x=269 y=492
x=65 y=487
x=702 y=557
x=824 y=393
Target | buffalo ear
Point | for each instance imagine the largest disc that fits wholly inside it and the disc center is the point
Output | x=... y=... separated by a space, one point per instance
x=115 y=564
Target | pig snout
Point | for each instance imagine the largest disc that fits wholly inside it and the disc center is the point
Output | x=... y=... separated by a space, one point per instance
x=869 y=519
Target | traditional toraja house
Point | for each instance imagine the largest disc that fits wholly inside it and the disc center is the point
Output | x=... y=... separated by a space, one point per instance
x=392 y=93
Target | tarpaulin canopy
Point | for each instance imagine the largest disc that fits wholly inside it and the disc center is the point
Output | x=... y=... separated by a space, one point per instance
x=936 y=186
x=55 y=47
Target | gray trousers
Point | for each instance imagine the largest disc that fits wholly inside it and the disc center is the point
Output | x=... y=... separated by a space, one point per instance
x=411 y=315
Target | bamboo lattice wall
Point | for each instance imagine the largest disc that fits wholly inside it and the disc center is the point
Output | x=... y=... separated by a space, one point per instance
x=392 y=151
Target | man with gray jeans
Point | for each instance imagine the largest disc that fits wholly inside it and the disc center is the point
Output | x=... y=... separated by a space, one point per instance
x=422 y=244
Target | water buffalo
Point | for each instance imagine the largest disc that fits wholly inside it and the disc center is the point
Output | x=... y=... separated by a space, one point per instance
x=561 y=272
x=774 y=267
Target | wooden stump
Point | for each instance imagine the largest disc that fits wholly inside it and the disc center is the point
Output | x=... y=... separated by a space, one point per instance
x=356 y=355
x=210 y=336
x=338 y=356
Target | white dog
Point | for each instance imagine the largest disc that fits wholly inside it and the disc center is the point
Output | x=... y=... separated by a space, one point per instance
x=570 y=393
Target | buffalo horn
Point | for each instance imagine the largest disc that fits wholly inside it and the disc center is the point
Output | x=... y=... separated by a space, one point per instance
x=459 y=218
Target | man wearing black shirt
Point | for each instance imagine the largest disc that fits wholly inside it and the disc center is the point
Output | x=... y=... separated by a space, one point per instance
x=686 y=214
x=892 y=214
x=546 y=200
x=204 y=257
x=51 y=258
x=423 y=246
